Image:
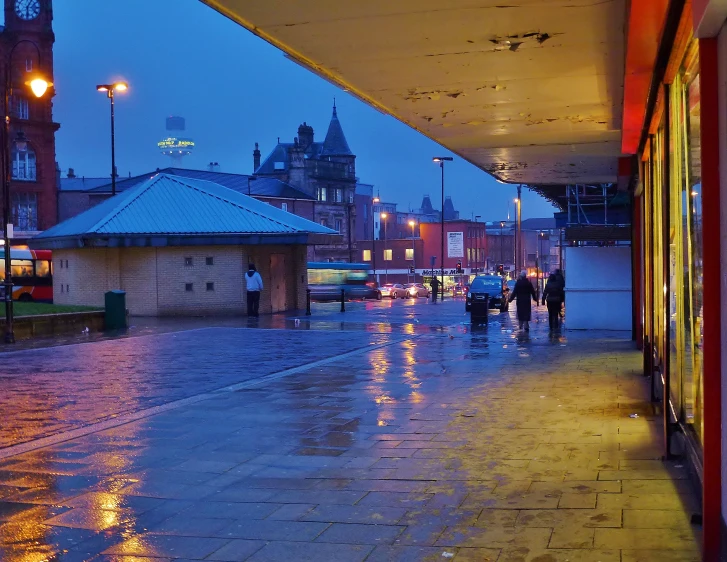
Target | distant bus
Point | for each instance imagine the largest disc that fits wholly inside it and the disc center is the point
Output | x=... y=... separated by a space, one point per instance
x=326 y=279
x=32 y=274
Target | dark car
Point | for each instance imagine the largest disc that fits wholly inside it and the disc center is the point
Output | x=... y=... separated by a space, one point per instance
x=485 y=289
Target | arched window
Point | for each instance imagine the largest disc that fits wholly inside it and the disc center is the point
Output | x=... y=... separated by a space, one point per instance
x=23 y=158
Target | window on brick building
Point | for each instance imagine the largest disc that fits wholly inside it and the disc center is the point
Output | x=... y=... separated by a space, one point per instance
x=210 y=286
x=409 y=253
x=209 y=260
x=321 y=194
x=284 y=207
x=23 y=160
x=337 y=195
x=339 y=225
x=24 y=211
x=19 y=106
x=388 y=255
x=189 y=287
x=324 y=222
x=188 y=262
x=367 y=255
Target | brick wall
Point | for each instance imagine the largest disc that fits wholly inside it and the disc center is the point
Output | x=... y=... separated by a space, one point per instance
x=155 y=279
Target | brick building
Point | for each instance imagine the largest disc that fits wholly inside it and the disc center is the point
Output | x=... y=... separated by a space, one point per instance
x=191 y=261
x=465 y=241
x=395 y=258
x=32 y=130
x=325 y=171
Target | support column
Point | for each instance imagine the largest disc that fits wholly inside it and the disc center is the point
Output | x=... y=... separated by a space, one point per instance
x=712 y=360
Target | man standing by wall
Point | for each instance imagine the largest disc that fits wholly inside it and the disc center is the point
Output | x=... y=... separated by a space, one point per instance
x=254 y=285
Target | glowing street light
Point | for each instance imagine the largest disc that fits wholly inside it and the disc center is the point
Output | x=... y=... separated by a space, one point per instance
x=441 y=160
x=374 y=201
x=110 y=89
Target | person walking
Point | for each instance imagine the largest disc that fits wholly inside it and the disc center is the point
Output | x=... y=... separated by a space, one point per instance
x=435 y=288
x=523 y=292
x=254 y=285
x=553 y=296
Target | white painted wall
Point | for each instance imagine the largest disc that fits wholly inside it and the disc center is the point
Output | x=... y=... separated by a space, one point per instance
x=598 y=288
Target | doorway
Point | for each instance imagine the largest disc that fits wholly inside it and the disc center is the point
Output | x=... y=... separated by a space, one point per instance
x=278 y=287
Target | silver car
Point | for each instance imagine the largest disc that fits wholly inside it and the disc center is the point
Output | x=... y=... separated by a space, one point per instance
x=393 y=290
x=415 y=290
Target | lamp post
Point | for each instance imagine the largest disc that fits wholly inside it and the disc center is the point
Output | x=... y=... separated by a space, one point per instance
x=373 y=236
x=477 y=245
x=441 y=160
x=110 y=89
x=386 y=264
x=518 y=241
x=541 y=279
x=38 y=85
x=413 y=257
x=502 y=253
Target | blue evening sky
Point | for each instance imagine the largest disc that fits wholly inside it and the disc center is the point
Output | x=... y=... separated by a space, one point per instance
x=182 y=58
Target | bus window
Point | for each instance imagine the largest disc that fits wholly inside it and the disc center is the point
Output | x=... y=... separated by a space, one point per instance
x=2 y=270
x=42 y=268
x=21 y=268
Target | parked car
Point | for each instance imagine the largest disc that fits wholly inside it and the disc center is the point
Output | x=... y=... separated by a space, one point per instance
x=415 y=290
x=484 y=286
x=393 y=290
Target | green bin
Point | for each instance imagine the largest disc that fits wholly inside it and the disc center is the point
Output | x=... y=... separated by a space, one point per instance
x=115 y=310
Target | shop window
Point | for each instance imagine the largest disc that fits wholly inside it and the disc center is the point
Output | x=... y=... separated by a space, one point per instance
x=388 y=255
x=367 y=255
x=409 y=253
x=24 y=208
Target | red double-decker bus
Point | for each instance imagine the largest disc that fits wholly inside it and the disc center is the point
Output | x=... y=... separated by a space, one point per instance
x=32 y=274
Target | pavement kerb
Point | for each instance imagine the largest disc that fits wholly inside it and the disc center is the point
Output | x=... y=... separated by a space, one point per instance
x=130 y=417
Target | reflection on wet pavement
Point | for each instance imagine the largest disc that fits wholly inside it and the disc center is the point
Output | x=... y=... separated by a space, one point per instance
x=437 y=440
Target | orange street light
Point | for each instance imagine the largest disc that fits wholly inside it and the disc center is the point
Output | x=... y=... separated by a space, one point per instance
x=110 y=89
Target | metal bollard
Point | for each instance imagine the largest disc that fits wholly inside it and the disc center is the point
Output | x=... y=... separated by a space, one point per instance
x=343 y=300
x=307 y=302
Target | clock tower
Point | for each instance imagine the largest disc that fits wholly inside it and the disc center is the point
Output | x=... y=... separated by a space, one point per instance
x=26 y=47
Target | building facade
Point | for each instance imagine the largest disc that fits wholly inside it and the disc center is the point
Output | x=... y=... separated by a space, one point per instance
x=465 y=243
x=325 y=171
x=397 y=261
x=26 y=46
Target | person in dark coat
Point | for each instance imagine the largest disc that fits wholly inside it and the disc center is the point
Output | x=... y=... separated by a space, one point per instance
x=435 y=284
x=553 y=296
x=523 y=292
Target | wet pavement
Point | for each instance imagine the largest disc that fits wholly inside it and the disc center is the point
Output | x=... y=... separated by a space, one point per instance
x=393 y=431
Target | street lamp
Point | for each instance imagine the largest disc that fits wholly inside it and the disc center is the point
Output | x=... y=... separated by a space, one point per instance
x=110 y=89
x=38 y=85
x=518 y=232
x=373 y=236
x=386 y=264
x=413 y=257
x=477 y=243
x=502 y=252
x=441 y=160
x=541 y=277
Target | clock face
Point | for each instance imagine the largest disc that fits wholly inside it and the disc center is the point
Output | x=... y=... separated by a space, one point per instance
x=27 y=9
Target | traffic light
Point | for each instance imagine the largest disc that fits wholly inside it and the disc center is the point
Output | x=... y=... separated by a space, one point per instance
x=459 y=266
x=500 y=269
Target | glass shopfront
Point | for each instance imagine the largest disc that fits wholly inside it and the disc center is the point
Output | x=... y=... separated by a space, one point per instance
x=673 y=242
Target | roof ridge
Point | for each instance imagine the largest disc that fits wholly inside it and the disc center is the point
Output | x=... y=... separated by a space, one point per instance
x=130 y=196
x=235 y=203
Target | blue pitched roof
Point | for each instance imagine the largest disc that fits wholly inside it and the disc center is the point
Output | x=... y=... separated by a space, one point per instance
x=173 y=206
x=261 y=187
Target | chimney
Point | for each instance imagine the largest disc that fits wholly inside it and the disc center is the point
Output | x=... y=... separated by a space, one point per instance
x=305 y=135
x=255 y=158
x=71 y=173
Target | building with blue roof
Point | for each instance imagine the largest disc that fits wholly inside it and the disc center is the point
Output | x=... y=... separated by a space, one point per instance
x=179 y=245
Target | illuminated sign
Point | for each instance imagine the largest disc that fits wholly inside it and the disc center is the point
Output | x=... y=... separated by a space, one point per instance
x=173 y=143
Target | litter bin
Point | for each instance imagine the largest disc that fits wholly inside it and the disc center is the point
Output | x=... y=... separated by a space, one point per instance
x=115 y=310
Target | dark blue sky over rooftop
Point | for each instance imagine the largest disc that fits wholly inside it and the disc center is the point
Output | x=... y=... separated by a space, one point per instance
x=182 y=58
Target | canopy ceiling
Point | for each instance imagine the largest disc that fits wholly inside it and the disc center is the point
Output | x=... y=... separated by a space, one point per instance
x=528 y=90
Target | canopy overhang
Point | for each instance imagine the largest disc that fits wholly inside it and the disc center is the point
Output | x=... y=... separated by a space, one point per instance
x=530 y=91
